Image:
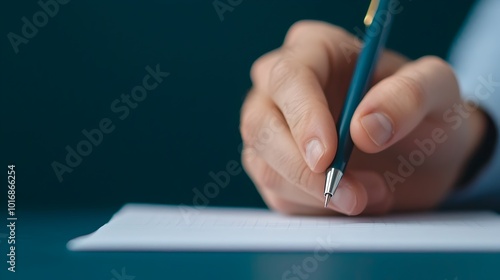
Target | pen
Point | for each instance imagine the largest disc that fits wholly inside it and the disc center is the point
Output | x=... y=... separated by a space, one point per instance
x=378 y=21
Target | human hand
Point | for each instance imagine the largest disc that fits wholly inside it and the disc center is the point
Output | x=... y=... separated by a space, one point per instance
x=412 y=132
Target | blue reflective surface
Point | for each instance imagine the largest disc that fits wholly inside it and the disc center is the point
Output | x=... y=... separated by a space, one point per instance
x=41 y=254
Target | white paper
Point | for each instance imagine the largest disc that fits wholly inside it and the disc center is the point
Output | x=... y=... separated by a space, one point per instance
x=141 y=227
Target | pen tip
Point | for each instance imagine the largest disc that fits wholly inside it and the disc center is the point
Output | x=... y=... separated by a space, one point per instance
x=327 y=199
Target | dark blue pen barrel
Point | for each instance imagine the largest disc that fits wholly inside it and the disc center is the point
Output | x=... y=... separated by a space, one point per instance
x=344 y=148
x=374 y=41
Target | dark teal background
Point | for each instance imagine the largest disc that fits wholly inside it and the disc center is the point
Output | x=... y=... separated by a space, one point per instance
x=65 y=78
x=91 y=52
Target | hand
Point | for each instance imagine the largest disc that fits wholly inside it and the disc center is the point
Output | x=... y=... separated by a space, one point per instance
x=412 y=132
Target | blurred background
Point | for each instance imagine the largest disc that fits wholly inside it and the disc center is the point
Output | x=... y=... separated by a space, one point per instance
x=66 y=77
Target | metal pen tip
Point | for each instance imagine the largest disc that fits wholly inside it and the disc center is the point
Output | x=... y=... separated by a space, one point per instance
x=333 y=177
x=327 y=199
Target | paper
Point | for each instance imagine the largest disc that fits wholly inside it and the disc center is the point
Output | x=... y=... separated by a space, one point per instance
x=139 y=227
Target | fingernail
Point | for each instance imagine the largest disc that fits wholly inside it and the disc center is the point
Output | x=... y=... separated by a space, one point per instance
x=378 y=127
x=314 y=151
x=344 y=199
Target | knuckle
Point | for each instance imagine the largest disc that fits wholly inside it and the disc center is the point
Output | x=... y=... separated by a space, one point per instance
x=256 y=69
x=343 y=36
x=261 y=66
x=283 y=71
x=297 y=106
x=248 y=127
x=248 y=156
x=445 y=70
x=297 y=112
x=436 y=62
x=262 y=139
x=299 y=28
x=303 y=28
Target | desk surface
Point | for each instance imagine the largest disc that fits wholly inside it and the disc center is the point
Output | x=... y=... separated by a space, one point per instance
x=41 y=254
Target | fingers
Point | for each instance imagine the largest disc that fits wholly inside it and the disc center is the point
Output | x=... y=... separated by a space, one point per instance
x=272 y=160
x=274 y=163
x=264 y=129
x=397 y=105
x=296 y=76
x=277 y=192
x=287 y=121
x=358 y=193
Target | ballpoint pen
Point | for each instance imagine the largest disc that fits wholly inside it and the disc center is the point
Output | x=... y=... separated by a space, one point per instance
x=378 y=22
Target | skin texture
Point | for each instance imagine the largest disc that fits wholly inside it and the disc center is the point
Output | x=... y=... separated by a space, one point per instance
x=297 y=95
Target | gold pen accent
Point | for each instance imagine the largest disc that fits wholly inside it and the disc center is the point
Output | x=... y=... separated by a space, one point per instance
x=370 y=14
